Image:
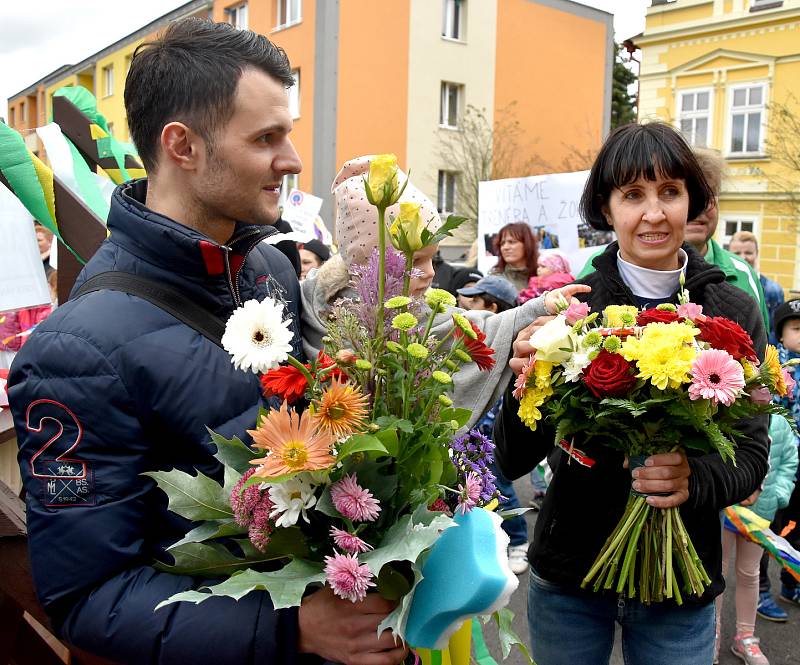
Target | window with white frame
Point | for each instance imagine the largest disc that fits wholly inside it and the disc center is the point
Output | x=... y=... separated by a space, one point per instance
x=290 y=181
x=694 y=116
x=294 y=95
x=453 y=19
x=108 y=80
x=747 y=106
x=289 y=13
x=237 y=16
x=446 y=195
x=732 y=225
x=450 y=104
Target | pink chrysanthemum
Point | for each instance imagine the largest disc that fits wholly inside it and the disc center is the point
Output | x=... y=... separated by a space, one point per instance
x=690 y=310
x=522 y=380
x=716 y=376
x=348 y=579
x=469 y=493
x=348 y=542
x=353 y=501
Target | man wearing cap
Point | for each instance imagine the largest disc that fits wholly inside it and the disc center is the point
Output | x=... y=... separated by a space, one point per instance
x=492 y=293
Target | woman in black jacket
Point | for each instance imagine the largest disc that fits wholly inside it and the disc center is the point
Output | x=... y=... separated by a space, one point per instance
x=644 y=185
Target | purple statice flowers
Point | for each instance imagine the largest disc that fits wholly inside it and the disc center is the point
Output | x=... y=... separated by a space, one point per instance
x=472 y=454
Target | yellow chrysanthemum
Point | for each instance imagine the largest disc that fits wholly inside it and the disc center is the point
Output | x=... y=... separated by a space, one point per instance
x=542 y=372
x=663 y=354
x=617 y=316
x=772 y=370
x=341 y=410
x=529 y=410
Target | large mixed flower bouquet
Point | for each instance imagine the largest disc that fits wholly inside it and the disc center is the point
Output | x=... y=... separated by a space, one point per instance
x=357 y=474
x=647 y=382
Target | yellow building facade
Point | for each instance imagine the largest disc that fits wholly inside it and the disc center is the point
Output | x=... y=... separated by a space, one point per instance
x=722 y=71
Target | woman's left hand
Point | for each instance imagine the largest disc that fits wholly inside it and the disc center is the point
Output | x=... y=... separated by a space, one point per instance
x=666 y=472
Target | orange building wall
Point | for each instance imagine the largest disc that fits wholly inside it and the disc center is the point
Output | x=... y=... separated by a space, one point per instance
x=571 y=73
x=373 y=78
x=298 y=42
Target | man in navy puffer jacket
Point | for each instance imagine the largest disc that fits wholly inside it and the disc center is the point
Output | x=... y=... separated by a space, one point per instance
x=111 y=386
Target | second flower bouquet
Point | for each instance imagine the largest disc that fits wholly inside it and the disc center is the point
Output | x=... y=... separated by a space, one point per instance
x=647 y=382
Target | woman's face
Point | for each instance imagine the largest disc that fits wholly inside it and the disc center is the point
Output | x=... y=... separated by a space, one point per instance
x=649 y=218
x=512 y=250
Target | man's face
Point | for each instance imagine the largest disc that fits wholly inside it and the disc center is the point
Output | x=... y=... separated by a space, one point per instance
x=702 y=227
x=240 y=178
x=745 y=249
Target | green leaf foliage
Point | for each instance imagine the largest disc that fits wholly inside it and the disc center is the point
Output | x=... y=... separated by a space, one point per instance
x=405 y=541
x=285 y=586
x=194 y=497
x=211 y=529
x=361 y=443
x=461 y=416
x=232 y=452
x=508 y=638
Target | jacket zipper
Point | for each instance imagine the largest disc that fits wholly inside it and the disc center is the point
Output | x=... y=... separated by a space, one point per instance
x=233 y=280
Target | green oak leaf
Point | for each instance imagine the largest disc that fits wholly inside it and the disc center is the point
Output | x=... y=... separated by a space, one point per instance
x=508 y=638
x=194 y=497
x=209 y=530
x=232 y=452
x=405 y=541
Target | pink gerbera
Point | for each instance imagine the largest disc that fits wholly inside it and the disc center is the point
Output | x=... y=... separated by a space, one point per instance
x=469 y=493
x=349 y=542
x=353 y=501
x=522 y=380
x=716 y=376
x=348 y=579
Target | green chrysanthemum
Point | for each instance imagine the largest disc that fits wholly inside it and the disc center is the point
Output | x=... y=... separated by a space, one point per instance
x=405 y=321
x=438 y=298
x=444 y=400
x=466 y=327
x=363 y=364
x=394 y=347
x=667 y=307
x=453 y=367
x=417 y=351
x=593 y=339
x=612 y=344
x=442 y=377
x=397 y=302
x=462 y=355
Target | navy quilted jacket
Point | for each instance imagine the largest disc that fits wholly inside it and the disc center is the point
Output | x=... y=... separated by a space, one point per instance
x=111 y=386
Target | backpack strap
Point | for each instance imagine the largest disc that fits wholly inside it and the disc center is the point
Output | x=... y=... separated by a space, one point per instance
x=170 y=300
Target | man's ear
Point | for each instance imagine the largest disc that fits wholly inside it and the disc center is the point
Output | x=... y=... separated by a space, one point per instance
x=493 y=308
x=182 y=146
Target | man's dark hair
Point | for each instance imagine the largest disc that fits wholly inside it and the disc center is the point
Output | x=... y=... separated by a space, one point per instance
x=642 y=151
x=490 y=300
x=190 y=74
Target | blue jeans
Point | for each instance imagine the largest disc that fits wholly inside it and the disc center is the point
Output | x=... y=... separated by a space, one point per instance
x=569 y=628
x=516 y=527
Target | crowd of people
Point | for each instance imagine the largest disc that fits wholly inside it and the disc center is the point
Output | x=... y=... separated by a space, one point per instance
x=142 y=402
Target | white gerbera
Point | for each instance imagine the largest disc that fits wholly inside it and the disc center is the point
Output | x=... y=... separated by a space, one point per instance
x=290 y=499
x=257 y=336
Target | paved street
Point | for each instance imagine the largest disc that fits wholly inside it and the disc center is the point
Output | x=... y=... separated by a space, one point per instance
x=781 y=642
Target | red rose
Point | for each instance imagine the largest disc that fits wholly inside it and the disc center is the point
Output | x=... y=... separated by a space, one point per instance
x=609 y=375
x=657 y=316
x=726 y=335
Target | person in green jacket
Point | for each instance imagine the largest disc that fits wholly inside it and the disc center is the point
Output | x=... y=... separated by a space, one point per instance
x=699 y=232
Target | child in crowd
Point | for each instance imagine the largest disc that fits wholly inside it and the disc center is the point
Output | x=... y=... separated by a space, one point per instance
x=774 y=493
x=496 y=294
x=786 y=327
x=553 y=272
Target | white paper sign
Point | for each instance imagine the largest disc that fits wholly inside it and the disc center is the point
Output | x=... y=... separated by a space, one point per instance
x=549 y=203
x=22 y=279
x=300 y=210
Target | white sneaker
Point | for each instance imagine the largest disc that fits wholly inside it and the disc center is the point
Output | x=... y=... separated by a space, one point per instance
x=518 y=558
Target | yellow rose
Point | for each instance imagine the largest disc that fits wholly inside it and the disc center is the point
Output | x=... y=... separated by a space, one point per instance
x=406 y=230
x=382 y=181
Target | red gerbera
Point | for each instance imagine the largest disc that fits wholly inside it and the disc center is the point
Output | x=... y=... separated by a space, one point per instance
x=477 y=349
x=286 y=382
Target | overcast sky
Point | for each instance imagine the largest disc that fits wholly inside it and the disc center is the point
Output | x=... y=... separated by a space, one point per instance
x=38 y=36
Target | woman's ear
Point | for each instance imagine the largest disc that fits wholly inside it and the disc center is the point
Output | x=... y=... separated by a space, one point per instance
x=606 y=212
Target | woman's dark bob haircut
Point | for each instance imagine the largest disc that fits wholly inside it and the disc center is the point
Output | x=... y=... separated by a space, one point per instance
x=642 y=151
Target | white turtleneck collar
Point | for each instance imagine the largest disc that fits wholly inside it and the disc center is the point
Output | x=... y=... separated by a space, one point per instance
x=647 y=283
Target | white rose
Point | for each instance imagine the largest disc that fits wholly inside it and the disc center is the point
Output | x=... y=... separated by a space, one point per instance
x=551 y=338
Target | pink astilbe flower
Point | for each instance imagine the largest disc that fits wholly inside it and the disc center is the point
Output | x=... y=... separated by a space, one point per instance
x=348 y=579
x=522 y=380
x=353 y=501
x=575 y=312
x=690 y=311
x=348 y=542
x=469 y=493
x=716 y=376
x=251 y=508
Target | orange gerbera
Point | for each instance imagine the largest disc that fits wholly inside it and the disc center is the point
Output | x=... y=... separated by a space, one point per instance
x=293 y=444
x=341 y=410
x=772 y=367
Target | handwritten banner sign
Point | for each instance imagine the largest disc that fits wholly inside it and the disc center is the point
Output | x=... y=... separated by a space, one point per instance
x=549 y=204
x=22 y=279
